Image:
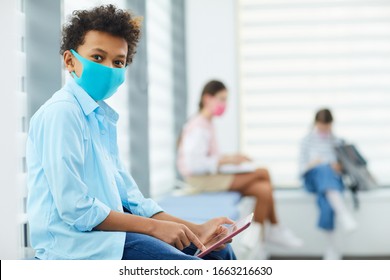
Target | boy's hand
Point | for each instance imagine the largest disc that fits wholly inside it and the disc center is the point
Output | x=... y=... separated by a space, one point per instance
x=177 y=235
x=212 y=228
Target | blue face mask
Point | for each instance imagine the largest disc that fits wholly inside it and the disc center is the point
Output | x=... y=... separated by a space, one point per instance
x=99 y=81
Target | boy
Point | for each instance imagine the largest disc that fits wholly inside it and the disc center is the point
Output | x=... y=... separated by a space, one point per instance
x=78 y=189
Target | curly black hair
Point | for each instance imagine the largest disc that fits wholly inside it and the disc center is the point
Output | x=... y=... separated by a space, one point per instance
x=105 y=18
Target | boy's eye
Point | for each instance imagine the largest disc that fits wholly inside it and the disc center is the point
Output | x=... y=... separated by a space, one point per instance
x=97 y=57
x=119 y=63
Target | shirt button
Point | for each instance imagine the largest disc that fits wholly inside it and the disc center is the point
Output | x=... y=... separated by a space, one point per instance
x=113 y=183
x=102 y=132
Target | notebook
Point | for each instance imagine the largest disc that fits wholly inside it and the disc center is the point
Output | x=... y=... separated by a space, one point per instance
x=245 y=167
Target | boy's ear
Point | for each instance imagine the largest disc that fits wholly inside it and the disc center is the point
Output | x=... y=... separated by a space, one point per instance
x=68 y=61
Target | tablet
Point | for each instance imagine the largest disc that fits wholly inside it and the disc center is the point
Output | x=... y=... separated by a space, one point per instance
x=231 y=231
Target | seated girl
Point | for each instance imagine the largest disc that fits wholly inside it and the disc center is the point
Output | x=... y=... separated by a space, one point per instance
x=199 y=163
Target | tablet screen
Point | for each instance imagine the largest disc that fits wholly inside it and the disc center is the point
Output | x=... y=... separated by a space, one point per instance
x=229 y=232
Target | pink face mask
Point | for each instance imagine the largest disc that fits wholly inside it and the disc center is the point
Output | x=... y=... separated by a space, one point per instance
x=219 y=109
x=323 y=134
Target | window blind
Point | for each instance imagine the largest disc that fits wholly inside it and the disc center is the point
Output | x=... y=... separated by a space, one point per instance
x=297 y=56
x=160 y=90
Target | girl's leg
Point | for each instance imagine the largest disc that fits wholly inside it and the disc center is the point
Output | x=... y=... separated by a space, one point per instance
x=257 y=184
x=326 y=215
x=329 y=187
x=337 y=202
x=331 y=251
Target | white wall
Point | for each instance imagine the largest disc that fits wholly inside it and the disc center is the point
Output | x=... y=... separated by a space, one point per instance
x=211 y=54
x=10 y=246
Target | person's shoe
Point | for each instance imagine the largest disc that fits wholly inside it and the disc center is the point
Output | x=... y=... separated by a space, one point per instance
x=331 y=254
x=282 y=236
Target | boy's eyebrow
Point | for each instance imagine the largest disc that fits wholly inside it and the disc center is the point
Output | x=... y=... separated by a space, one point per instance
x=100 y=50
x=103 y=51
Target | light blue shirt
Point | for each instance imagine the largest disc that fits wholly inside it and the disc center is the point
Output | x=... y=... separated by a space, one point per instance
x=75 y=177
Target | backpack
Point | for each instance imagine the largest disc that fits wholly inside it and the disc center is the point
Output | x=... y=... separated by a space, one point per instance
x=356 y=175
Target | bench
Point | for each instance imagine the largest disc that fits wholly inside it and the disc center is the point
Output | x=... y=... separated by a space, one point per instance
x=199 y=208
x=298 y=210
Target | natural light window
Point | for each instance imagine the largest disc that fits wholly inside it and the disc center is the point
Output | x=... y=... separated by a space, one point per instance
x=298 y=56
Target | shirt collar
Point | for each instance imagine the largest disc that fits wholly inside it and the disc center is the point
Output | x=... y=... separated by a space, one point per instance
x=108 y=111
x=87 y=104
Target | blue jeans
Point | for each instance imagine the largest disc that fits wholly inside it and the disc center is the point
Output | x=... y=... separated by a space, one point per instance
x=319 y=180
x=144 y=247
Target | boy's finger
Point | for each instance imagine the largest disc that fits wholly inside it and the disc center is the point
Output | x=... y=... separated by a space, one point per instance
x=194 y=239
x=226 y=220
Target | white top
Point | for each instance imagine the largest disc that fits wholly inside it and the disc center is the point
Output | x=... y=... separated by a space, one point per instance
x=198 y=151
x=317 y=147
